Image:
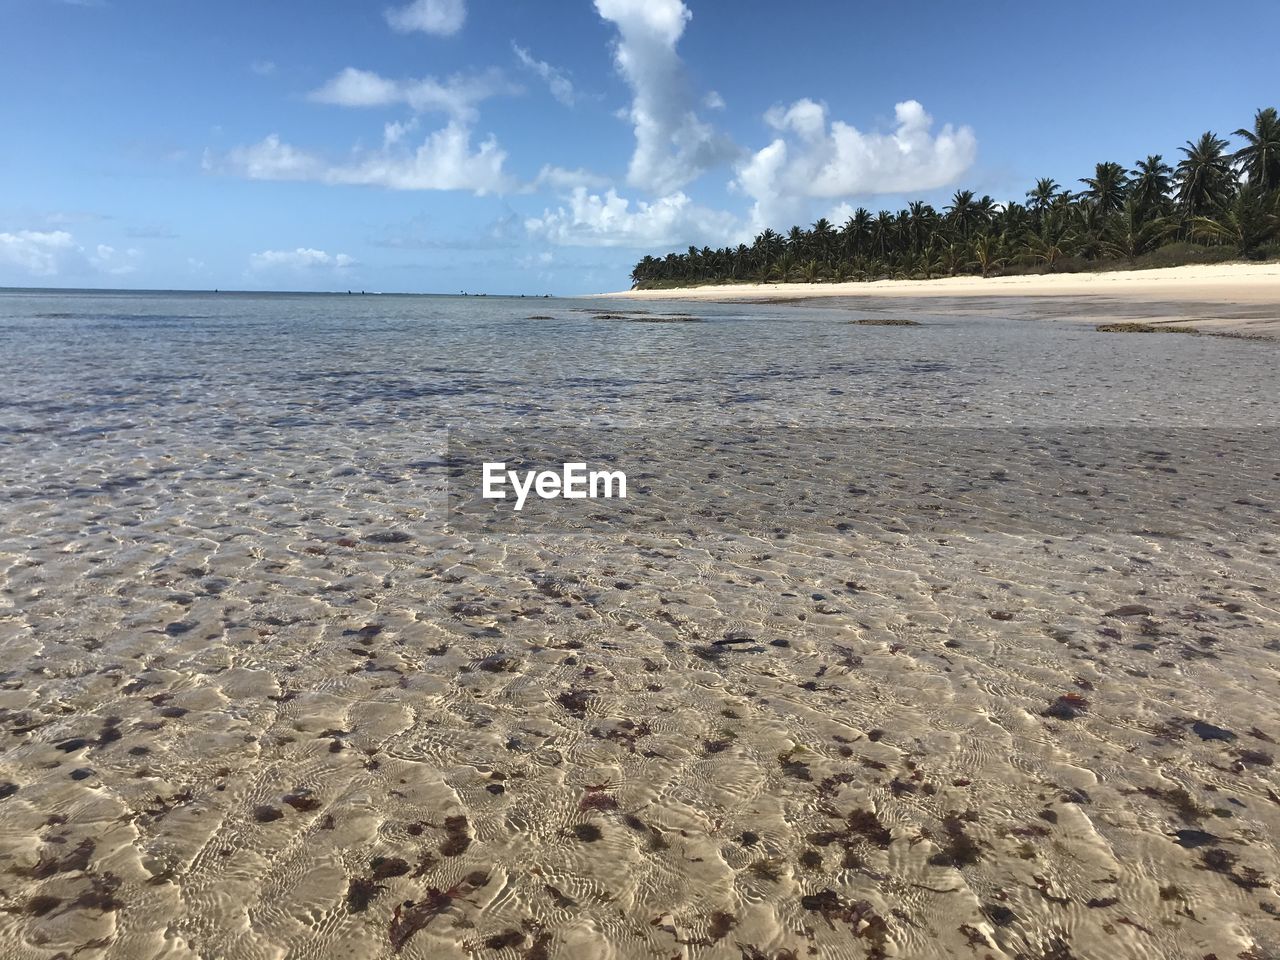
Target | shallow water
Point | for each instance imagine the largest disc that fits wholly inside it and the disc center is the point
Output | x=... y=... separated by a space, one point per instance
x=263 y=695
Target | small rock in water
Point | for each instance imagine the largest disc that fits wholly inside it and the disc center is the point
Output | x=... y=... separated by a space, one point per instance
x=1209 y=731
x=1191 y=839
x=1067 y=707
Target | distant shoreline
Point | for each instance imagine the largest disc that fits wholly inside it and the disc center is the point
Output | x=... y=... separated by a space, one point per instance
x=1233 y=299
x=1232 y=282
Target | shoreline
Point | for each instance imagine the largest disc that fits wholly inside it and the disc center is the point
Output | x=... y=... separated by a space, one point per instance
x=1232 y=299
x=1252 y=282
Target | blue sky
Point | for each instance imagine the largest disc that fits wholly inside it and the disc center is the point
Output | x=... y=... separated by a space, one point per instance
x=501 y=146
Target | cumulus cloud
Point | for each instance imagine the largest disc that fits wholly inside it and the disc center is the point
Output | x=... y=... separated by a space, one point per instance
x=445 y=160
x=457 y=95
x=443 y=18
x=608 y=220
x=40 y=253
x=673 y=145
x=557 y=80
x=108 y=259
x=812 y=158
x=303 y=258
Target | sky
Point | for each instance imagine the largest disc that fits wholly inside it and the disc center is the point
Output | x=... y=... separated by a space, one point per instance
x=543 y=147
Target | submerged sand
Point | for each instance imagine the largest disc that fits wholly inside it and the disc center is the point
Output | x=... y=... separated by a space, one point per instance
x=261 y=698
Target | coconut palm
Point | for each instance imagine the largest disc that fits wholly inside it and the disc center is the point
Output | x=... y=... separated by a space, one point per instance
x=986 y=254
x=1251 y=219
x=1151 y=183
x=1107 y=186
x=1042 y=195
x=963 y=212
x=1203 y=175
x=1259 y=158
x=1131 y=233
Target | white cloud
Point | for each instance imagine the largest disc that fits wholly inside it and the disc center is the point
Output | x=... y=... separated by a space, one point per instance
x=609 y=220
x=263 y=68
x=713 y=100
x=445 y=160
x=457 y=95
x=443 y=18
x=303 y=258
x=814 y=159
x=556 y=80
x=270 y=159
x=563 y=180
x=39 y=253
x=673 y=146
x=115 y=262
x=52 y=253
x=394 y=132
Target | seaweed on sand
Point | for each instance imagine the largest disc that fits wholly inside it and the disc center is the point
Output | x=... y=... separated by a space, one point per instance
x=1132 y=327
x=959 y=849
x=860 y=915
x=412 y=916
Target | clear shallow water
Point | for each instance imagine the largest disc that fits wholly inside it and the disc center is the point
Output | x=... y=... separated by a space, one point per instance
x=262 y=700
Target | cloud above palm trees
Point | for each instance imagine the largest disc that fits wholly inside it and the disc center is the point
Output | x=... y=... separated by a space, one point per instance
x=673 y=144
x=813 y=157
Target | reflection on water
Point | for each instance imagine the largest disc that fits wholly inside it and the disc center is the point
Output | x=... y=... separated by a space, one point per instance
x=259 y=698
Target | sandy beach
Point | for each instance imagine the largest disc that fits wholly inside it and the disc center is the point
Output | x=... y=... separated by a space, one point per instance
x=1237 y=298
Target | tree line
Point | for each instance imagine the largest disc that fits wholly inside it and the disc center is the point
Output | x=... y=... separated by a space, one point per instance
x=1216 y=203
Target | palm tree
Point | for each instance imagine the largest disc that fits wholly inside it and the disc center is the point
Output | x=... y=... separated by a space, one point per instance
x=857 y=232
x=821 y=239
x=770 y=245
x=883 y=231
x=1043 y=194
x=1250 y=220
x=986 y=253
x=920 y=220
x=1259 y=158
x=1131 y=234
x=1089 y=224
x=963 y=212
x=1107 y=186
x=1203 y=175
x=1151 y=183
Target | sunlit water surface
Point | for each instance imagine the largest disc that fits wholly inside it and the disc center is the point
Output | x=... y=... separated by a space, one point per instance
x=259 y=698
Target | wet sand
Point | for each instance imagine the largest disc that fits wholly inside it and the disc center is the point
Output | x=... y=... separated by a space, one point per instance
x=262 y=696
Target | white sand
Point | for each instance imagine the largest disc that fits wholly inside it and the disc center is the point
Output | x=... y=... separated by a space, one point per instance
x=1232 y=299
x=1237 y=282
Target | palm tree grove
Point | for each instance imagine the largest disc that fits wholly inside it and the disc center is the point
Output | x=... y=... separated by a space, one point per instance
x=1214 y=204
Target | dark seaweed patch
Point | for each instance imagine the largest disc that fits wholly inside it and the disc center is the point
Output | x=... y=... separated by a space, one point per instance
x=384 y=868
x=1069 y=706
x=959 y=849
x=411 y=916
x=265 y=813
x=360 y=891
x=457 y=836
